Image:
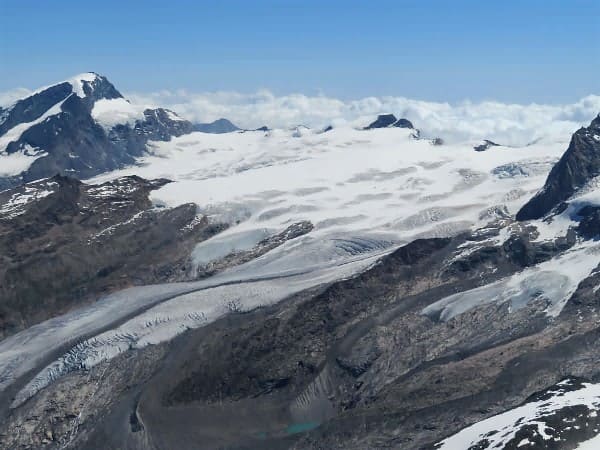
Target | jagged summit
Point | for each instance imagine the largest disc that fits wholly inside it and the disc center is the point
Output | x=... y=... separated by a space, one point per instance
x=578 y=166
x=85 y=85
x=389 y=120
x=89 y=87
x=94 y=86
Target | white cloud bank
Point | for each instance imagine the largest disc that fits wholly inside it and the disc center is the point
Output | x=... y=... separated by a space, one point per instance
x=9 y=97
x=508 y=124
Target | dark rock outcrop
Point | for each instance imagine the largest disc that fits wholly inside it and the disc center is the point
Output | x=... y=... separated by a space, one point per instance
x=485 y=145
x=589 y=225
x=389 y=120
x=578 y=165
x=403 y=123
x=219 y=126
x=382 y=121
x=263 y=128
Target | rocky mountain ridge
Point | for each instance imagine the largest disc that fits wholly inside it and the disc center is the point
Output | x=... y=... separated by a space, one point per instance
x=578 y=166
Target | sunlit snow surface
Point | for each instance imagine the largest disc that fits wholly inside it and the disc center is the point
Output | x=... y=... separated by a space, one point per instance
x=366 y=192
x=24 y=196
x=497 y=431
x=344 y=180
x=17 y=162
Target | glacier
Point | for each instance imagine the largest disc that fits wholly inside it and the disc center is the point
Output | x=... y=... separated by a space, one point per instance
x=366 y=192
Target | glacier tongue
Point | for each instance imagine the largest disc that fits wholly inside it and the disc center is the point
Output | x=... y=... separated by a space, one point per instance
x=553 y=281
x=184 y=306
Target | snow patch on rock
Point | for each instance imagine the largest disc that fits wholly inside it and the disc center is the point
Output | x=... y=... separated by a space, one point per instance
x=499 y=430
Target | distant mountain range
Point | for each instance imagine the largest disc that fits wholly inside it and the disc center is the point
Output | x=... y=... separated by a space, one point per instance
x=219 y=126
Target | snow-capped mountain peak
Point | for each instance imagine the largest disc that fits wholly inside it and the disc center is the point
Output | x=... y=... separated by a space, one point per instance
x=80 y=127
x=85 y=83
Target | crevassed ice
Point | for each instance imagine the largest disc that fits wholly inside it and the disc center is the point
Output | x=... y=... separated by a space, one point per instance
x=179 y=314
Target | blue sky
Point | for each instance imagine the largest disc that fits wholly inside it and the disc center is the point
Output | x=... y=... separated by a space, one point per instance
x=511 y=51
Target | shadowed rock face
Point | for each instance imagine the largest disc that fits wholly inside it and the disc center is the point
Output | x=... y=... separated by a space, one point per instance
x=63 y=242
x=579 y=165
x=31 y=108
x=403 y=123
x=589 y=226
x=72 y=142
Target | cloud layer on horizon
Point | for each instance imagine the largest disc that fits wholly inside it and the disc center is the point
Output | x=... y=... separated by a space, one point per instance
x=9 y=97
x=508 y=124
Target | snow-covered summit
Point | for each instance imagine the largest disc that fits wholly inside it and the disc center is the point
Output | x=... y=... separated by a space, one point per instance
x=81 y=81
x=81 y=126
x=83 y=85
